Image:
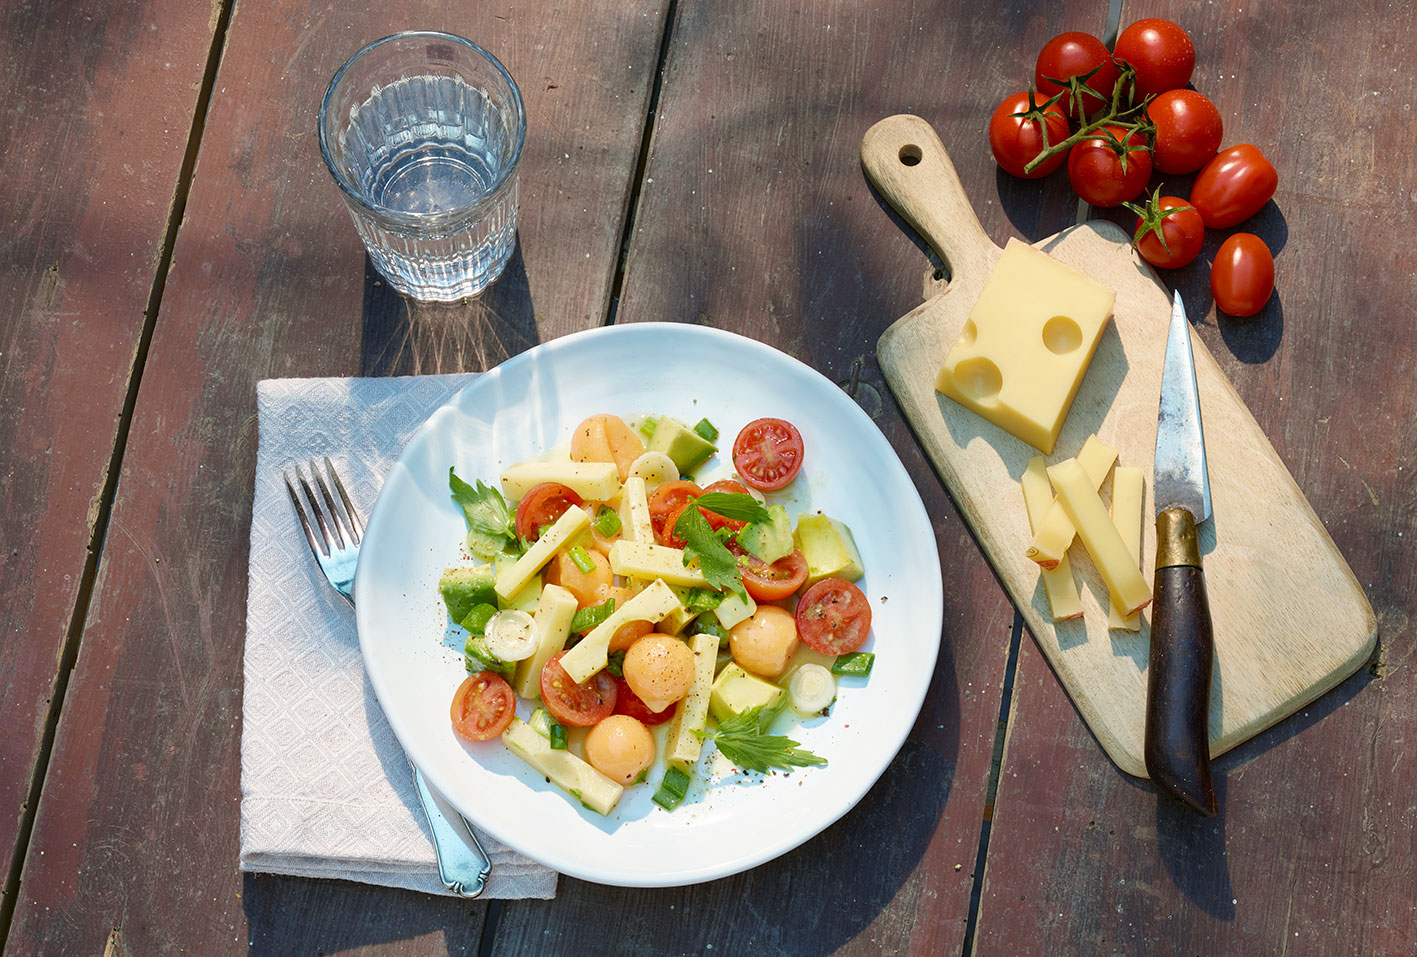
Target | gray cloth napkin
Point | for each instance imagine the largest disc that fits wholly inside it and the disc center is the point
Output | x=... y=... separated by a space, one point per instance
x=325 y=788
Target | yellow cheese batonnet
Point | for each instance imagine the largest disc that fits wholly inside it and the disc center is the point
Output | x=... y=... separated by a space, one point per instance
x=1128 y=589
x=1058 y=582
x=1027 y=344
x=1053 y=534
x=1128 y=502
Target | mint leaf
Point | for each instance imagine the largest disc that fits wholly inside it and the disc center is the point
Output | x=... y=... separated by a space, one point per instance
x=735 y=505
x=491 y=526
x=743 y=740
x=715 y=560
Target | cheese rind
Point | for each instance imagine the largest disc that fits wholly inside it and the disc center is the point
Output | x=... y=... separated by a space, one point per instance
x=1058 y=582
x=1128 y=503
x=1027 y=344
x=1053 y=534
x=1125 y=584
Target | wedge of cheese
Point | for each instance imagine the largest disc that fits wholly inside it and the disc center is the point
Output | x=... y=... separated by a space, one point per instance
x=1126 y=586
x=1027 y=344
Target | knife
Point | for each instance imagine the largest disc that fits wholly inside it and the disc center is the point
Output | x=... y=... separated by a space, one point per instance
x=1177 y=743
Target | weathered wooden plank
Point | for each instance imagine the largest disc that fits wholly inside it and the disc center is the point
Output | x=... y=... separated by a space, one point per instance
x=1313 y=848
x=755 y=217
x=98 y=107
x=138 y=826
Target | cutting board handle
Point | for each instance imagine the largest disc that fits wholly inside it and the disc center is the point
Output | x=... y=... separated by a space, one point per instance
x=904 y=158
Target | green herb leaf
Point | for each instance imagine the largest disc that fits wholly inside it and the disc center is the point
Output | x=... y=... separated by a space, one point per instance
x=587 y=618
x=715 y=560
x=734 y=505
x=615 y=663
x=743 y=740
x=491 y=526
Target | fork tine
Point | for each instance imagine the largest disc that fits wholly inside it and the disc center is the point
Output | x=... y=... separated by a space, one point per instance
x=315 y=546
x=336 y=519
x=356 y=527
x=328 y=539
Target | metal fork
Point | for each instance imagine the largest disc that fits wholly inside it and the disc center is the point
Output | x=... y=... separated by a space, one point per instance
x=463 y=869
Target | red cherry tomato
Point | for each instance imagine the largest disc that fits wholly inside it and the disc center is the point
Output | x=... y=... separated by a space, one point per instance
x=581 y=705
x=1233 y=186
x=541 y=506
x=1016 y=140
x=629 y=703
x=1095 y=168
x=1188 y=130
x=1161 y=53
x=1073 y=54
x=666 y=501
x=483 y=706
x=833 y=617
x=1242 y=276
x=768 y=453
x=775 y=581
x=1178 y=223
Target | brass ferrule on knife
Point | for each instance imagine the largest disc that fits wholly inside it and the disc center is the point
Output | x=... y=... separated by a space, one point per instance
x=1176 y=540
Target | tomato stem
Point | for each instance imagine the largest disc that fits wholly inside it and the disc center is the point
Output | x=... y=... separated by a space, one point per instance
x=1131 y=118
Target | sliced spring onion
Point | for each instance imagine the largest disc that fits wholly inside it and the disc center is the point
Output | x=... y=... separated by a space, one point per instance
x=655 y=468
x=512 y=635
x=541 y=722
x=606 y=521
x=587 y=618
x=581 y=559
x=811 y=689
x=558 y=736
x=856 y=663
x=706 y=430
x=647 y=427
x=672 y=789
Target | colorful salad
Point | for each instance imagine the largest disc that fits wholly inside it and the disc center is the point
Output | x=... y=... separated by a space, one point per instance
x=638 y=615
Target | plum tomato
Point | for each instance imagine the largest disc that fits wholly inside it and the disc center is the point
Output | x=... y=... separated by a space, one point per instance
x=541 y=506
x=1169 y=233
x=582 y=704
x=1161 y=53
x=1016 y=140
x=833 y=617
x=1074 y=54
x=1097 y=170
x=483 y=706
x=1188 y=130
x=1233 y=186
x=768 y=454
x=1242 y=276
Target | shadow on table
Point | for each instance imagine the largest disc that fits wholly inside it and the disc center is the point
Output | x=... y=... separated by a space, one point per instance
x=402 y=336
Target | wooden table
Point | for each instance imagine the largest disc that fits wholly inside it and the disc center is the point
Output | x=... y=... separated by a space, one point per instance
x=170 y=238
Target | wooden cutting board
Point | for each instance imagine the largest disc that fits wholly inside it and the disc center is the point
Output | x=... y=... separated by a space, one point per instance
x=1290 y=619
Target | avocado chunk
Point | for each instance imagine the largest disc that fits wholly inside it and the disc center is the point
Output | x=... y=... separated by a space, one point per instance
x=770 y=540
x=463 y=588
x=735 y=691
x=685 y=447
x=829 y=549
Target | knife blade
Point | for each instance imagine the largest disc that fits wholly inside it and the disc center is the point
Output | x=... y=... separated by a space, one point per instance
x=1177 y=740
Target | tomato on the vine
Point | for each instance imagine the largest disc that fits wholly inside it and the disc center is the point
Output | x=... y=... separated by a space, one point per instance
x=1234 y=186
x=1100 y=174
x=1242 y=276
x=1017 y=139
x=1161 y=53
x=1169 y=231
x=1075 y=54
x=1188 y=130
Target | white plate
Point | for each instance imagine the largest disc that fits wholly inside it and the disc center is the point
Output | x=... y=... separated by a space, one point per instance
x=526 y=406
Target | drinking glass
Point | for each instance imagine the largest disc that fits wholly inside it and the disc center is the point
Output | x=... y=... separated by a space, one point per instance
x=423 y=132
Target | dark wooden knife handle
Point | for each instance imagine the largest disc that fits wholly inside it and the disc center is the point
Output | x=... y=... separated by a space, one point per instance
x=1177 y=745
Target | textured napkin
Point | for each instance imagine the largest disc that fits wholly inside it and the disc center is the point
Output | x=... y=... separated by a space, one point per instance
x=325 y=788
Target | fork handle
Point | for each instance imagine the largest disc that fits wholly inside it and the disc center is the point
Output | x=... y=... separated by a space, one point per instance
x=463 y=866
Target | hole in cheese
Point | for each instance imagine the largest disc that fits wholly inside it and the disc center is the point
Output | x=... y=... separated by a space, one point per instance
x=910 y=155
x=968 y=334
x=978 y=378
x=1061 y=335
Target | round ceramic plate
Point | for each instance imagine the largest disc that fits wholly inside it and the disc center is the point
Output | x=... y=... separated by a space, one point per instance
x=529 y=405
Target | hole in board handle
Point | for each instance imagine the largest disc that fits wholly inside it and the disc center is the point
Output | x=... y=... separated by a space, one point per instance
x=910 y=155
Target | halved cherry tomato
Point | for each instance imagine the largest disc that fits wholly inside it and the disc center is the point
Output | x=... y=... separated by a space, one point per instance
x=581 y=705
x=833 y=617
x=1178 y=222
x=1242 y=276
x=541 y=506
x=1016 y=140
x=666 y=501
x=775 y=581
x=1188 y=130
x=1160 y=51
x=483 y=706
x=1097 y=171
x=1073 y=54
x=629 y=703
x=768 y=453
x=1233 y=186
